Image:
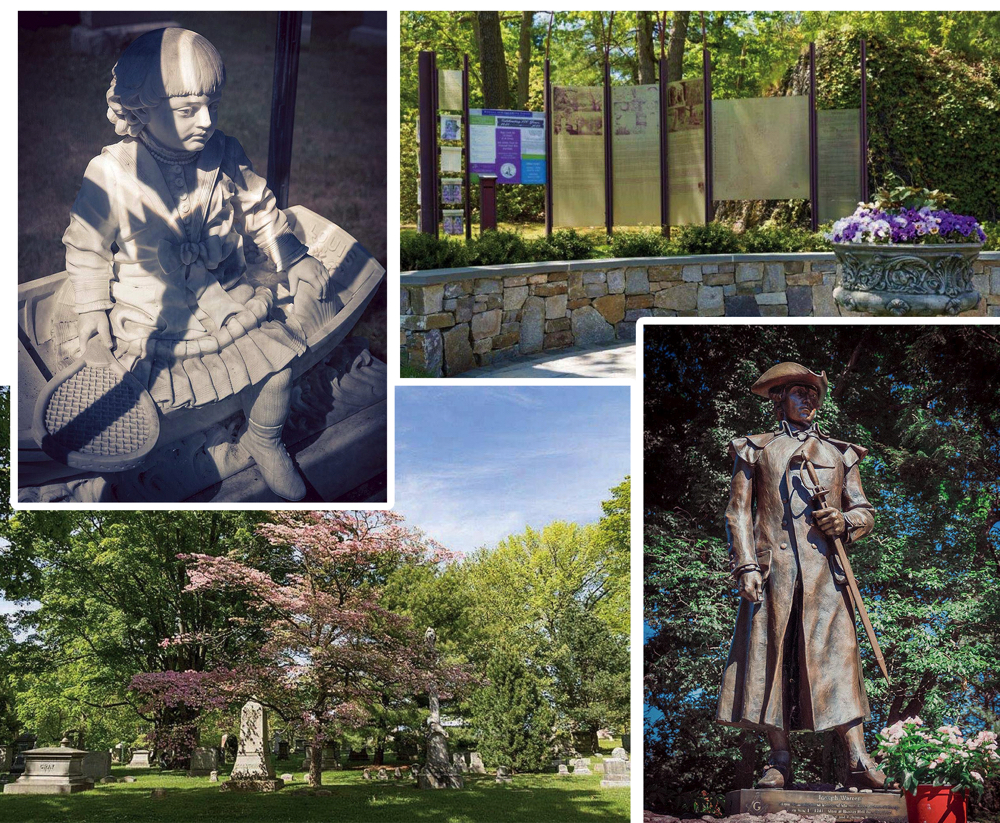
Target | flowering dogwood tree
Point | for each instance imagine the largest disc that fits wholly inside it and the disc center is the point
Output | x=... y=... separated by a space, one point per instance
x=331 y=651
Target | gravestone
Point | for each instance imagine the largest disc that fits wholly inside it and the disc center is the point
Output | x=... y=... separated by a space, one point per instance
x=476 y=763
x=54 y=770
x=204 y=761
x=97 y=766
x=213 y=776
x=581 y=765
x=397 y=773
x=617 y=774
x=438 y=771
x=253 y=770
x=459 y=760
x=563 y=769
x=283 y=750
x=23 y=743
x=141 y=759
x=503 y=774
x=383 y=774
x=118 y=753
x=366 y=774
x=619 y=754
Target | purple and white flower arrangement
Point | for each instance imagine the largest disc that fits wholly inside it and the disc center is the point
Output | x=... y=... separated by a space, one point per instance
x=906 y=214
x=913 y=755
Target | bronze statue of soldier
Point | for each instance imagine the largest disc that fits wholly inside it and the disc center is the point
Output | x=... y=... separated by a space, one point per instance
x=794 y=664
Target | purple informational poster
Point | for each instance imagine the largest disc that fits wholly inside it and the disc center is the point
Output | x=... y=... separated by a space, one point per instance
x=508 y=144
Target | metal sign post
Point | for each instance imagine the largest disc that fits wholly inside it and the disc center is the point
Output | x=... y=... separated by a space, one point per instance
x=283 y=89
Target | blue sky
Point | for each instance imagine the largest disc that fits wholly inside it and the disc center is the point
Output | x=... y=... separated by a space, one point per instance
x=475 y=464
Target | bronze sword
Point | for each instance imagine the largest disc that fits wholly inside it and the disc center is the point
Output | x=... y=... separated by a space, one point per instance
x=819 y=496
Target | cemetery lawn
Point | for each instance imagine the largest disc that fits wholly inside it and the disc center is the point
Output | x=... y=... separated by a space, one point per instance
x=533 y=798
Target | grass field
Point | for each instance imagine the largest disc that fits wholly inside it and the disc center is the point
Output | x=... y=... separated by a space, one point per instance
x=338 y=150
x=544 y=798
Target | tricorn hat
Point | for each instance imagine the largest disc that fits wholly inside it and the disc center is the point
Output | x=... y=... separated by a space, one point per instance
x=785 y=373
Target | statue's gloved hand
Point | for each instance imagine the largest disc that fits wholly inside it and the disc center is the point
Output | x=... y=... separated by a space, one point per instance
x=830 y=521
x=752 y=586
x=90 y=323
x=309 y=270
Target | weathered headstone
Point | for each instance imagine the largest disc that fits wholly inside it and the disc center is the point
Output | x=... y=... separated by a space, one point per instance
x=617 y=774
x=204 y=761
x=503 y=774
x=366 y=774
x=581 y=765
x=383 y=774
x=459 y=760
x=476 y=763
x=54 y=770
x=96 y=765
x=438 y=772
x=23 y=743
x=288 y=778
x=253 y=770
x=397 y=773
x=213 y=776
x=563 y=769
x=619 y=754
x=141 y=759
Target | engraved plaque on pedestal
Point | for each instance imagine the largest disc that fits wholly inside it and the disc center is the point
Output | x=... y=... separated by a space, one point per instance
x=843 y=805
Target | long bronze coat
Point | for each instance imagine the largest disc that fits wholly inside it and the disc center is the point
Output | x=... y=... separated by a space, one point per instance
x=794 y=661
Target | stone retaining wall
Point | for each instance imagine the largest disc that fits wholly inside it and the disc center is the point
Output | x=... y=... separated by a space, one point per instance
x=453 y=320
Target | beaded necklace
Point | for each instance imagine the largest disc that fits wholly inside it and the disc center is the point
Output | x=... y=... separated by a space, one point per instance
x=165 y=155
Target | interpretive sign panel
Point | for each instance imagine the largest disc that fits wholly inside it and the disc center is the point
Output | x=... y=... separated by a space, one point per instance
x=844 y=805
x=577 y=156
x=635 y=155
x=839 y=145
x=450 y=89
x=509 y=144
x=760 y=148
x=686 y=151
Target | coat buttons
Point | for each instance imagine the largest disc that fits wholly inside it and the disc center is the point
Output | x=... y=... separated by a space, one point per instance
x=784 y=546
x=784 y=524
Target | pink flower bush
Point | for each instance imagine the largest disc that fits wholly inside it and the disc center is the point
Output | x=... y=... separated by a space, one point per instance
x=912 y=755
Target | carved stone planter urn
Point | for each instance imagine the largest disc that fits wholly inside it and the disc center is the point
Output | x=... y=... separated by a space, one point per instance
x=907 y=279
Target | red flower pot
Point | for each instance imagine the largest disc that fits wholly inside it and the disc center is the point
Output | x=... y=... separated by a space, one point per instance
x=935 y=804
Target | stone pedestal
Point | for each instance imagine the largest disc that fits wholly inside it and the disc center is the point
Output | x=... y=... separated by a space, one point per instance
x=56 y=770
x=617 y=774
x=141 y=759
x=842 y=805
x=254 y=770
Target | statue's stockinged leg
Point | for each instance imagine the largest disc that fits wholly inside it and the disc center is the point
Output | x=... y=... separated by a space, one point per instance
x=864 y=772
x=778 y=773
x=266 y=408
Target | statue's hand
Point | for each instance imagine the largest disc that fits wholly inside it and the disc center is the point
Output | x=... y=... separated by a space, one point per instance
x=752 y=586
x=94 y=322
x=309 y=270
x=830 y=521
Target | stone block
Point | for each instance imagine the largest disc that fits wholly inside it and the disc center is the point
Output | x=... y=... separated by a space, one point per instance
x=751 y=287
x=450 y=304
x=633 y=315
x=482 y=346
x=727 y=268
x=488 y=285
x=561 y=324
x=774 y=277
x=463 y=308
x=679 y=297
x=611 y=307
x=426 y=322
x=981 y=283
x=720 y=279
x=486 y=324
x=535 y=279
x=514 y=297
x=772 y=299
x=579 y=303
x=691 y=274
x=558 y=340
x=532 y=325
x=710 y=301
x=616 y=281
x=774 y=311
x=800 y=301
x=559 y=277
x=742 y=305
x=794 y=267
x=457 y=289
x=575 y=280
x=590 y=328
x=823 y=303
x=710 y=268
x=596 y=289
x=995 y=281
x=404 y=301
x=458 y=355
x=426 y=351
x=636 y=281
x=749 y=272
x=808 y=278
x=426 y=299
x=510 y=282
x=993 y=311
x=550 y=289
x=555 y=306
x=625 y=331
x=639 y=301
x=577 y=292
x=591 y=277
x=670 y=274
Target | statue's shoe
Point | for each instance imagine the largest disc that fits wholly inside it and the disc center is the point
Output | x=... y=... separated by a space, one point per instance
x=778 y=773
x=870 y=778
x=276 y=467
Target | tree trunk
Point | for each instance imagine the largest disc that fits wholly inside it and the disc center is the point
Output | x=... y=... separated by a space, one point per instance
x=524 y=60
x=315 y=776
x=492 y=61
x=746 y=768
x=644 y=48
x=379 y=757
x=675 y=48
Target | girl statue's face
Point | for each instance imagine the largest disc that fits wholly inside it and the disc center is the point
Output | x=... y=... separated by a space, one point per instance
x=185 y=123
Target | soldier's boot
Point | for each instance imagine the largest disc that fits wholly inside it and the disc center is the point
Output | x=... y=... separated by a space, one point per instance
x=866 y=775
x=778 y=773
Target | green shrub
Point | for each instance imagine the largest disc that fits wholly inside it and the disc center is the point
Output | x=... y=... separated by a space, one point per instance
x=713 y=238
x=638 y=244
x=419 y=252
x=992 y=236
x=565 y=244
x=778 y=240
x=494 y=248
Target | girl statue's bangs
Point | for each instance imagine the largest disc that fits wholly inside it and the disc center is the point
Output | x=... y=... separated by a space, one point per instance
x=190 y=65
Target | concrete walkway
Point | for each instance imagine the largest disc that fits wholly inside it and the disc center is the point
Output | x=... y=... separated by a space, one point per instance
x=617 y=360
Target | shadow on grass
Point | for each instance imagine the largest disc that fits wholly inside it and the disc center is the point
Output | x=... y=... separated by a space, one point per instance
x=529 y=799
